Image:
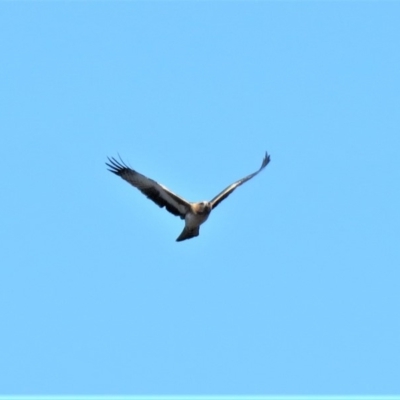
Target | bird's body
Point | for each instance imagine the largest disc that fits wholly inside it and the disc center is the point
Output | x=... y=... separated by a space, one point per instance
x=194 y=214
x=193 y=219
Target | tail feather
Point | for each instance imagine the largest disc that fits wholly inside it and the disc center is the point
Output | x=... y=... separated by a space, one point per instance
x=188 y=233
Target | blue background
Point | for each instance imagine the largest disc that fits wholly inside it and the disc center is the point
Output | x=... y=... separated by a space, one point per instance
x=292 y=286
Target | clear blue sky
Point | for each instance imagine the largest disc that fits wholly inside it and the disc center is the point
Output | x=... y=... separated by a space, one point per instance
x=292 y=286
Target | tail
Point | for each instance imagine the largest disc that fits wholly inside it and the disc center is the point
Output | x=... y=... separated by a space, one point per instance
x=188 y=233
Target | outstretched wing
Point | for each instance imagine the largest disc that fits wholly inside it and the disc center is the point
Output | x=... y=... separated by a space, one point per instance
x=162 y=196
x=227 y=191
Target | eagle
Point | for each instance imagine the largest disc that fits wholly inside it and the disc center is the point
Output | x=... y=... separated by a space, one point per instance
x=194 y=214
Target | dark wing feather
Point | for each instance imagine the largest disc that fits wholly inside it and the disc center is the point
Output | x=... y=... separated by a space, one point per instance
x=156 y=192
x=227 y=191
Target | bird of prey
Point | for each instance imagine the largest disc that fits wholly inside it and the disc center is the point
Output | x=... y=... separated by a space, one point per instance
x=194 y=214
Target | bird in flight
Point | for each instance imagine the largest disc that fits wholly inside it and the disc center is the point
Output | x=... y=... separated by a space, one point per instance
x=194 y=214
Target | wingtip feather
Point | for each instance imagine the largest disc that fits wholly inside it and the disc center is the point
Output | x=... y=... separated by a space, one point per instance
x=267 y=159
x=116 y=166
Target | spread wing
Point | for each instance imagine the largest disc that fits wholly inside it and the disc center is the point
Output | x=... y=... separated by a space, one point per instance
x=156 y=192
x=227 y=191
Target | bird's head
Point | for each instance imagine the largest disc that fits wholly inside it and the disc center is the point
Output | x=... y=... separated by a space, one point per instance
x=204 y=207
